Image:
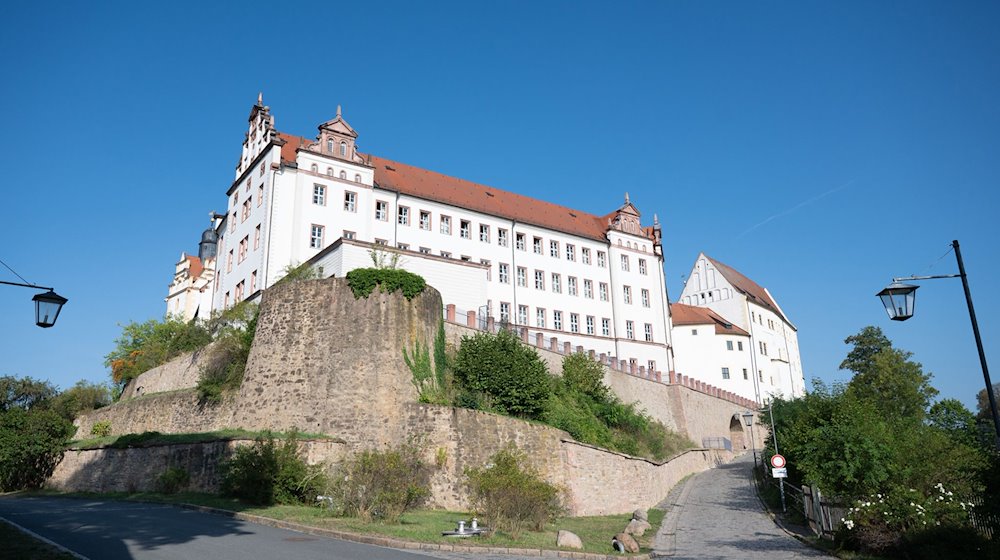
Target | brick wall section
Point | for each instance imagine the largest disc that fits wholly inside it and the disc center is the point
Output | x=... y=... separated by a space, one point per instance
x=137 y=469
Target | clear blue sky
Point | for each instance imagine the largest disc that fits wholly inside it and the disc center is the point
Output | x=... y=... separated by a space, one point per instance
x=122 y=126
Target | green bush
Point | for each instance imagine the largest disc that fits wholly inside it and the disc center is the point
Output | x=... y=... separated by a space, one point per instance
x=363 y=282
x=31 y=444
x=143 y=346
x=381 y=485
x=172 y=480
x=266 y=472
x=581 y=373
x=511 y=496
x=506 y=371
x=101 y=429
x=223 y=371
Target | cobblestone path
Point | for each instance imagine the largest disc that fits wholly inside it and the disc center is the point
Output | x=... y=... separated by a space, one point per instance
x=716 y=514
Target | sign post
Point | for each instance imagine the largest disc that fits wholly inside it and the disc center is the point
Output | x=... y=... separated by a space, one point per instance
x=780 y=472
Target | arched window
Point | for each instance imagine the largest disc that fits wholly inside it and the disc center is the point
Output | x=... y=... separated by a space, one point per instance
x=329 y=145
x=315 y=168
x=329 y=171
x=343 y=148
x=343 y=174
x=357 y=178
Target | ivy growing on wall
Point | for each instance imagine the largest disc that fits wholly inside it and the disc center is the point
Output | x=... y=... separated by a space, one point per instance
x=363 y=282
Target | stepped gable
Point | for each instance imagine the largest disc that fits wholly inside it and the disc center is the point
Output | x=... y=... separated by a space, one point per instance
x=682 y=314
x=430 y=185
x=748 y=287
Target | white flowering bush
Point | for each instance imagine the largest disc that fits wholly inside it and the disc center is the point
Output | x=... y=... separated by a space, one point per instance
x=883 y=521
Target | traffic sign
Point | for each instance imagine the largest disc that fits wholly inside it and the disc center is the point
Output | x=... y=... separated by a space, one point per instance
x=777 y=461
x=779 y=473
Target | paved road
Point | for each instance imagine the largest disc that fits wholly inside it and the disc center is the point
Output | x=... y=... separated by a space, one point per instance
x=113 y=530
x=717 y=515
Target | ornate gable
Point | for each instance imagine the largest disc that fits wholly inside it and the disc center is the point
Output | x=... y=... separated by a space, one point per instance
x=258 y=136
x=337 y=139
x=626 y=219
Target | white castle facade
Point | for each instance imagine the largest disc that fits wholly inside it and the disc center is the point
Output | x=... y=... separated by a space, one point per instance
x=594 y=282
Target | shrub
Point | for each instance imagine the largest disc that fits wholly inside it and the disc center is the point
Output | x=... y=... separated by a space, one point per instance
x=101 y=429
x=31 y=444
x=581 y=373
x=143 y=346
x=510 y=495
x=266 y=472
x=235 y=330
x=510 y=373
x=363 y=282
x=172 y=480
x=381 y=485
x=298 y=273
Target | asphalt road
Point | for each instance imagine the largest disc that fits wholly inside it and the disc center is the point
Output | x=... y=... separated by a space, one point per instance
x=113 y=530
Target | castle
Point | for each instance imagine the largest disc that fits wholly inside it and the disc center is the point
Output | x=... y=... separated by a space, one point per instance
x=591 y=282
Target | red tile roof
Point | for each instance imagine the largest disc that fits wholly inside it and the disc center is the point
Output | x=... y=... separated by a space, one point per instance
x=748 y=287
x=690 y=315
x=195 y=267
x=430 y=185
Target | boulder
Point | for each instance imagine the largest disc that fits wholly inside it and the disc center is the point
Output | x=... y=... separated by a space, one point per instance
x=640 y=514
x=637 y=527
x=568 y=539
x=623 y=542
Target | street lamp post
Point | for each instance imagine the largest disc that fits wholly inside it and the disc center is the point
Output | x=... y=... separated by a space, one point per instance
x=748 y=420
x=47 y=305
x=899 y=299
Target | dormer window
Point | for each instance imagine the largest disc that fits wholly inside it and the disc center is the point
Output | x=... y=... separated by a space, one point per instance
x=329 y=145
x=343 y=148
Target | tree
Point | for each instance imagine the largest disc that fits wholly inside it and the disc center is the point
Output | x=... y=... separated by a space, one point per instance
x=886 y=378
x=24 y=392
x=510 y=374
x=81 y=397
x=951 y=417
x=143 y=346
x=983 y=402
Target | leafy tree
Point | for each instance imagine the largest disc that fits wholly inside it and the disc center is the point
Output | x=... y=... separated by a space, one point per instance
x=983 y=402
x=24 y=392
x=143 y=346
x=81 y=397
x=583 y=374
x=506 y=371
x=951 y=417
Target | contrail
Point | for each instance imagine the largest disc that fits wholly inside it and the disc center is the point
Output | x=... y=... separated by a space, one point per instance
x=797 y=206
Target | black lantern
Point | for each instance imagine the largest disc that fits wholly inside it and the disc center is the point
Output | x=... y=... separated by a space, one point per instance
x=47 y=308
x=898 y=300
x=748 y=418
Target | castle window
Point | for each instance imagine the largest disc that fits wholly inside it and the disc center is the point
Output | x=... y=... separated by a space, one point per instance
x=403 y=216
x=465 y=229
x=557 y=320
x=725 y=373
x=603 y=288
x=504 y=312
x=522 y=314
x=357 y=178
x=739 y=345
x=260 y=194
x=239 y=290
x=729 y=345
x=536 y=245
x=350 y=201
x=425 y=220
x=425 y=250
x=540 y=317
x=446 y=225
x=571 y=285
x=329 y=171
x=229 y=261
x=745 y=373
x=329 y=145
x=649 y=332
x=629 y=330
x=642 y=266
x=381 y=210
x=574 y=323
x=625 y=263
x=651 y=366
x=602 y=259
x=627 y=290
x=246 y=210
x=539 y=280
x=484 y=233
x=606 y=326
x=403 y=246
x=261 y=169
x=244 y=244
x=556 y=284
x=645 y=297
x=248 y=185
x=349 y=234
x=256 y=237
x=588 y=289
x=590 y=324
x=570 y=252
x=522 y=276
x=319 y=195
x=554 y=249
x=253 y=281
x=585 y=255
x=316 y=237
x=504 y=273
x=501 y=237
x=343 y=148
x=343 y=174
x=445 y=255
x=519 y=241
x=314 y=168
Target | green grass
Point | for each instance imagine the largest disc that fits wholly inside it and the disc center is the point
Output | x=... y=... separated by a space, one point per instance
x=20 y=545
x=151 y=439
x=420 y=526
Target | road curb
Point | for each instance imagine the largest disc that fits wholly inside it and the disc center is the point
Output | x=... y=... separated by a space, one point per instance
x=51 y=543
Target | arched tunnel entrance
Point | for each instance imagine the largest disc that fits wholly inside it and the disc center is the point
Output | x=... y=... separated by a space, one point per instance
x=737 y=435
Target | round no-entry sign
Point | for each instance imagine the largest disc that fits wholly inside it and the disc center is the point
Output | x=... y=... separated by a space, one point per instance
x=777 y=461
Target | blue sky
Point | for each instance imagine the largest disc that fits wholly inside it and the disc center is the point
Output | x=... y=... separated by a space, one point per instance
x=819 y=148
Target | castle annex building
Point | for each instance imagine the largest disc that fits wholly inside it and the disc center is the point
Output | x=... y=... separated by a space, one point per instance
x=593 y=281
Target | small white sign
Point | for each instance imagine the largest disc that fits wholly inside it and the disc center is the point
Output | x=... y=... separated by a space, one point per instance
x=779 y=473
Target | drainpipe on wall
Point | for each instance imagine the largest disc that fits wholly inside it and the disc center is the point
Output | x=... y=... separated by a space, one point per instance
x=753 y=358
